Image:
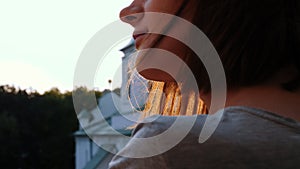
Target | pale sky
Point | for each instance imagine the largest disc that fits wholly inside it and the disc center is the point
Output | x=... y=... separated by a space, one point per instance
x=41 y=40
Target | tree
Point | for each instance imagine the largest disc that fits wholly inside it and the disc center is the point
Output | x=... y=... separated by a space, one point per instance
x=36 y=130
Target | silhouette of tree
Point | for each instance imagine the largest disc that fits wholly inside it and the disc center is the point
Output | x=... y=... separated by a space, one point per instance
x=36 y=130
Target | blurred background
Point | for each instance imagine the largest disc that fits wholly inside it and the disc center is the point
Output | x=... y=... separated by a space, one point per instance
x=40 y=42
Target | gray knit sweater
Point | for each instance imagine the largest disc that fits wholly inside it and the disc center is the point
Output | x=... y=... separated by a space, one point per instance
x=245 y=138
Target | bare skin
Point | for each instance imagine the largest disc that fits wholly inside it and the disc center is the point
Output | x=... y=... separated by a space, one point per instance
x=138 y=15
x=269 y=96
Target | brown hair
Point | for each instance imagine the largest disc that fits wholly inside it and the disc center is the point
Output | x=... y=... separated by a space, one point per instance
x=254 y=38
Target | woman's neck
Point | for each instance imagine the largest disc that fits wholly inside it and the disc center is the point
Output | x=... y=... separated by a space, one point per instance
x=267 y=97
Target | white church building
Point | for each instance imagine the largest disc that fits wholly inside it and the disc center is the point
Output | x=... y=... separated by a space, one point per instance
x=117 y=111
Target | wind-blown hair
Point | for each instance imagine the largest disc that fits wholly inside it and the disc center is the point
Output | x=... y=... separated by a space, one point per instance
x=166 y=99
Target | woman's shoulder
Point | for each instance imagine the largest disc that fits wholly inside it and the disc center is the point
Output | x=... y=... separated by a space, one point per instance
x=225 y=121
x=158 y=124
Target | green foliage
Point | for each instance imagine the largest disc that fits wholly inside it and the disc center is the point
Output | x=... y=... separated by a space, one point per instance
x=36 y=130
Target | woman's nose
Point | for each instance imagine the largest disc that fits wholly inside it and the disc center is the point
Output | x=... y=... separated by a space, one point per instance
x=132 y=14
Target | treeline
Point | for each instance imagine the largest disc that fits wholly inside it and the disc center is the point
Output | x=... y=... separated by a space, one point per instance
x=36 y=130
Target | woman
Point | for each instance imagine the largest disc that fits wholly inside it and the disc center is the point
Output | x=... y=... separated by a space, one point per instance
x=258 y=42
